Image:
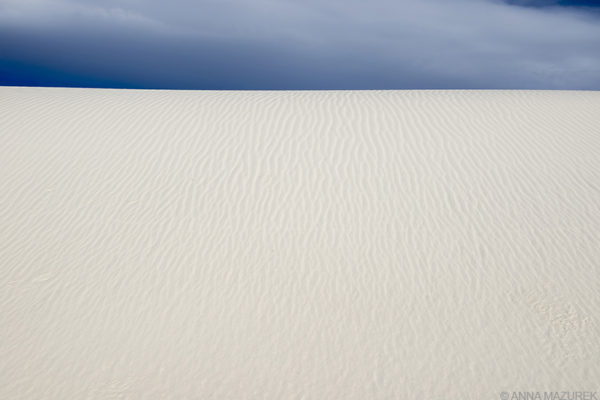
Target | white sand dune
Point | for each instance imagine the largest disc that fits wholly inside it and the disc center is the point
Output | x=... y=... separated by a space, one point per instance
x=298 y=245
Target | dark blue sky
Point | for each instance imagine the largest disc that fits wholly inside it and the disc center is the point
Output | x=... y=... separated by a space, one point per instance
x=308 y=44
x=549 y=3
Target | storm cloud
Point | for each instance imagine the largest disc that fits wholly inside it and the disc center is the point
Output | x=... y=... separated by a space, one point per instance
x=309 y=44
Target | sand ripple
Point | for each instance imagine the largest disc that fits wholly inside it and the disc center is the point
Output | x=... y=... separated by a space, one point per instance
x=298 y=245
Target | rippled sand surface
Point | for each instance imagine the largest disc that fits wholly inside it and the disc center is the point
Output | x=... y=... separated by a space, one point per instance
x=298 y=245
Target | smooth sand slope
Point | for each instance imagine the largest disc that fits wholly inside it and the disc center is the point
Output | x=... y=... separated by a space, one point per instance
x=298 y=245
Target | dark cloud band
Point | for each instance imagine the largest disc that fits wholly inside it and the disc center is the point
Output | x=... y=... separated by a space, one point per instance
x=329 y=44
